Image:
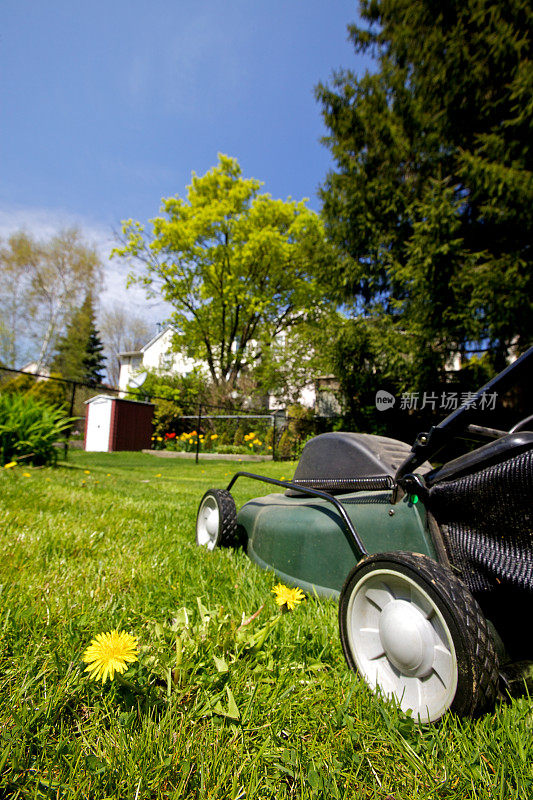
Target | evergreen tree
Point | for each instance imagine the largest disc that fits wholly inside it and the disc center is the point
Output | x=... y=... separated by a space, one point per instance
x=79 y=350
x=431 y=198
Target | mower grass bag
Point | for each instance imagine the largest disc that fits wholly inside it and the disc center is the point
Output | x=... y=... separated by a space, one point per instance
x=433 y=568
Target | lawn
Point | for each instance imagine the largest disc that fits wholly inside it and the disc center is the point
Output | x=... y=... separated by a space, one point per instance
x=210 y=710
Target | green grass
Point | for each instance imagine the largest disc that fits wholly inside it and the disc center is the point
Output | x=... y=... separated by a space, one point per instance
x=84 y=552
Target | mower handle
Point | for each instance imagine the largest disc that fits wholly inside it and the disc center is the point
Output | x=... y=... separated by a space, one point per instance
x=427 y=445
x=315 y=493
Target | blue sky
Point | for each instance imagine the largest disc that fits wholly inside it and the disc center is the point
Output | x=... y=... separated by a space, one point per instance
x=106 y=107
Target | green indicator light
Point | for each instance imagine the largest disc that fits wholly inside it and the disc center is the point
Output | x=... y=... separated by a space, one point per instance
x=414 y=499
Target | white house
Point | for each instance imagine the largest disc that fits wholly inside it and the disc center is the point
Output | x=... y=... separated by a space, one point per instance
x=155 y=355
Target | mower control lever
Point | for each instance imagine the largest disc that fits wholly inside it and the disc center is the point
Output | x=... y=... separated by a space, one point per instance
x=314 y=493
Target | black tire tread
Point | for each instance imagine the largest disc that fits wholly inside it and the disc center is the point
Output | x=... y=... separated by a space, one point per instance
x=479 y=644
x=228 y=531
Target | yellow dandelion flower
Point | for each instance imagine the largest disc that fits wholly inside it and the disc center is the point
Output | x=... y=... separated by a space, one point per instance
x=287 y=597
x=109 y=653
x=250 y=444
x=214 y=436
x=11 y=464
x=158 y=475
x=258 y=442
x=26 y=474
x=159 y=438
x=87 y=471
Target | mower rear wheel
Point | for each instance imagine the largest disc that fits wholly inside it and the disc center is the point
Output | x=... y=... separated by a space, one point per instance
x=216 y=521
x=415 y=633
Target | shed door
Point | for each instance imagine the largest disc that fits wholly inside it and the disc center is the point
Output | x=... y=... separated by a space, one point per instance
x=98 y=425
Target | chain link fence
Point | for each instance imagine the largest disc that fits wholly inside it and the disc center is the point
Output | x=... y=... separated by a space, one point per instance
x=197 y=427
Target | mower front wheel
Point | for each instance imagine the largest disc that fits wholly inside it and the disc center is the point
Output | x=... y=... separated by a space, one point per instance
x=216 y=521
x=415 y=633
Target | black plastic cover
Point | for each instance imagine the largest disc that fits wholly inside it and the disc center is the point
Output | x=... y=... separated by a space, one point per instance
x=342 y=454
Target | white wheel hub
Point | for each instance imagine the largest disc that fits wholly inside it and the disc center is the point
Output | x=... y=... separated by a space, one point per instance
x=207 y=523
x=401 y=643
x=407 y=638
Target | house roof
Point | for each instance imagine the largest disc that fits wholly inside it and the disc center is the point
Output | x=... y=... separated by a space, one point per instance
x=149 y=344
x=155 y=339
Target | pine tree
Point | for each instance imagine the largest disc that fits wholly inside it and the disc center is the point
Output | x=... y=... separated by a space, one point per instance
x=431 y=198
x=79 y=351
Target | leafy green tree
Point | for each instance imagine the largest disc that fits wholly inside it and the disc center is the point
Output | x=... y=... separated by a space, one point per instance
x=431 y=198
x=79 y=351
x=18 y=260
x=294 y=360
x=237 y=266
x=41 y=283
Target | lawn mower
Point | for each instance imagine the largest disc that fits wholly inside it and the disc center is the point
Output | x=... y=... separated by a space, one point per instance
x=432 y=566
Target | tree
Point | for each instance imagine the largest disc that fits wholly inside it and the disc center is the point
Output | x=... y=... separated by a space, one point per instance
x=79 y=351
x=431 y=198
x=18 y=261
x=121 y=331
x=41 y=283
x=67 y=270
x=237 y=266
x=294 y=360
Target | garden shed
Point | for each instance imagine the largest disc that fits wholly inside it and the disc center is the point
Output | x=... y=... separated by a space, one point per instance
x=113 y=423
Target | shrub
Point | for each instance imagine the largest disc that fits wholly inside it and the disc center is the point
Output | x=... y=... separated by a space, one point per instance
x=29 y=430
x=51 y=392
x=285 y=445
x=238 y=439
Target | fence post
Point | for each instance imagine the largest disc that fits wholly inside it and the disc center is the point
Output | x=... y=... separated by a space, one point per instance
x=273 y=437
x=70 y=413
x=198 y=431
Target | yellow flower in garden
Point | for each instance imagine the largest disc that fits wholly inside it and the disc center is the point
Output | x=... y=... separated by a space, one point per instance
x=109 y=653
x=26 y=474
x=214 y=436
x=87 y=471
x=287 y=597
x=258 y=442
x=11 y=464
x=159 y=438
x=250 y=444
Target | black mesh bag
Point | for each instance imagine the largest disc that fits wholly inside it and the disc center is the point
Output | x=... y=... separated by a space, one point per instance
x=486 y=519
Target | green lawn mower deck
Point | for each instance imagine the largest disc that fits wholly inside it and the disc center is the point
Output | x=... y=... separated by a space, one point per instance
x=429 y=565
